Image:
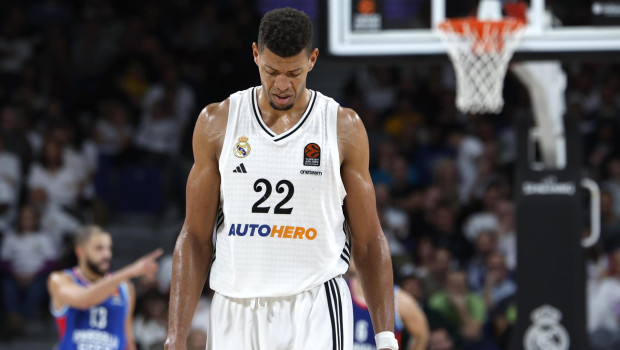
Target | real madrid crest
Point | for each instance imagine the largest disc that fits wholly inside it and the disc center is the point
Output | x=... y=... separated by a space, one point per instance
x=242 y=148
x=547 y=333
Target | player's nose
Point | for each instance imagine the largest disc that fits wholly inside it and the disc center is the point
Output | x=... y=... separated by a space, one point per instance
x=282 y=83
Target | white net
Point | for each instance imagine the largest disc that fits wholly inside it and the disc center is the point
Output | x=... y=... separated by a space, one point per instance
x=480 y=52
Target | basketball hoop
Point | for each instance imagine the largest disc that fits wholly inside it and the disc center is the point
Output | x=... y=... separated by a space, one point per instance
x=480 y=51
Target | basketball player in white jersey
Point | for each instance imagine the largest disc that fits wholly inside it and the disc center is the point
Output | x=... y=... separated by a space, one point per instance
x=274 y=165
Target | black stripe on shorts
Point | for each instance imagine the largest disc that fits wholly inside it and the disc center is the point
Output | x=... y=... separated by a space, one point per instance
x=335 y=312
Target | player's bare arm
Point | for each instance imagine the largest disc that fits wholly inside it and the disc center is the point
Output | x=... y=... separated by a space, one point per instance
x=65 y=292
x=414 y=320
x=371 y=253
x=131 y=344
x=194 y=247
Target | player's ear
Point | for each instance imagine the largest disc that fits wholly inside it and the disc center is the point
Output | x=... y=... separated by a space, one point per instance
x=312 y=58
x=255 y=52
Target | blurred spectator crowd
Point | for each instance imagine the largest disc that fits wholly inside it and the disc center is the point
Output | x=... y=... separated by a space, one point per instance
x=444 y=186
x=97 y=105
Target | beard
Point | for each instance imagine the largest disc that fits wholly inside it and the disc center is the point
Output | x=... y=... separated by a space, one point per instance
x=273 y=104
x=285 y=108
x=95 y=268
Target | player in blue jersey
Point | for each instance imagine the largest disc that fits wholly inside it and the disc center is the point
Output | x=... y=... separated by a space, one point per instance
x=408 y=314
x=93 y=308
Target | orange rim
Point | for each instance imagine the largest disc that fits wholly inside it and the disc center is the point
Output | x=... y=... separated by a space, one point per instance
x=472 y=24
x=488 y=35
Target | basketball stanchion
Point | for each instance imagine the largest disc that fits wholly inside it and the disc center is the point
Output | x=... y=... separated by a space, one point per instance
x=551 y=279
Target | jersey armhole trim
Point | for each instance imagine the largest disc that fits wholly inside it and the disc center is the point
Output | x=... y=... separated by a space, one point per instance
x=398 y=321
x=232 y=105
x=333 y=139
x=58 y=313
x=124 y=289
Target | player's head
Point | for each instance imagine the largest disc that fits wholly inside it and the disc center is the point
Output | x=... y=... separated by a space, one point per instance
x=94 y=249
x=284 y=55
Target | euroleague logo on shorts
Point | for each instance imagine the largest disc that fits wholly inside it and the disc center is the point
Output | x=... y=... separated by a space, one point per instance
x=312 y=155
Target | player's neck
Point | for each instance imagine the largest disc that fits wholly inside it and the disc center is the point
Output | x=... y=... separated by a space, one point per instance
x=88 y=273
x=274 y=117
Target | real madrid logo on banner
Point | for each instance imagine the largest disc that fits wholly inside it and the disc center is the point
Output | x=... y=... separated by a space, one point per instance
x=242 y=148
x=547 y=333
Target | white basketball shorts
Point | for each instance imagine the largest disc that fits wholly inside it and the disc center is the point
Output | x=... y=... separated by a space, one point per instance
x=317 y=319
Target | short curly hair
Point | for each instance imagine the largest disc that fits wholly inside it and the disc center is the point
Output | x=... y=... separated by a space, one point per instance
x=285 y=31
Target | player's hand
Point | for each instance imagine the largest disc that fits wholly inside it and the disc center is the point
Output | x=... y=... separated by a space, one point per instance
x=146 y=265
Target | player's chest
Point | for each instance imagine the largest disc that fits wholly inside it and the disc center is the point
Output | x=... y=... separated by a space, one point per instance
x=261 y=176
x=104 y=315
x=251 y=154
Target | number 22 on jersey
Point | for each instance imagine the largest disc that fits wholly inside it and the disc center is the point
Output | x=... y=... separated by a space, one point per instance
x=258 y=187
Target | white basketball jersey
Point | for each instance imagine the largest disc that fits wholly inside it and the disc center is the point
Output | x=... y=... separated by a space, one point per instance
x=280 y=229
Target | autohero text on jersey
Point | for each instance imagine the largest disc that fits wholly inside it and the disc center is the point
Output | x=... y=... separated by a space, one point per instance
x=275 y=231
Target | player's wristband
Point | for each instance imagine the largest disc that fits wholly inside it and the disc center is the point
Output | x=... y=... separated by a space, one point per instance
x=386 y=340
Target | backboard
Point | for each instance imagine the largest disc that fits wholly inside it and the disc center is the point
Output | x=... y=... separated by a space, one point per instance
x=556 y=28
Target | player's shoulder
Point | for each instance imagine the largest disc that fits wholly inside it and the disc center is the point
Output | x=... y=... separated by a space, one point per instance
x=212 y=120
x=348 y=118
x=210 y=130
x=347 y=115
x=59 y=277
x=215 y=113
x=350 y=125
x=405 y=302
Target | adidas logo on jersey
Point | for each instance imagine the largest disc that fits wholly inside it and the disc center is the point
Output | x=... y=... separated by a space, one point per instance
x=240 y=169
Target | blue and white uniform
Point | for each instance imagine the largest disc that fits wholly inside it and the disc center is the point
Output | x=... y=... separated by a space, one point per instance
x=363 y=334
x=101 y=327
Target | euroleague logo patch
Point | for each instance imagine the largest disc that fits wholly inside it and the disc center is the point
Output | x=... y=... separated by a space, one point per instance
x=312 y=155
